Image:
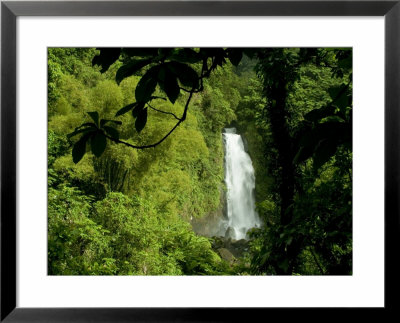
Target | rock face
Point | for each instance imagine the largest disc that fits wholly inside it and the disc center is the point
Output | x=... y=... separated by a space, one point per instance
x=235 y=247
x=226 y=255
x=210 y=224
x=230 y=233
x=207 y=226
x=245 y=144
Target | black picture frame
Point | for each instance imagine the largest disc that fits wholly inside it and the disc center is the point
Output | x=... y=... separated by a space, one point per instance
x=10 y=10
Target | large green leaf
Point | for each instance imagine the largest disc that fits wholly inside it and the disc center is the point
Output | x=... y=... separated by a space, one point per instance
x=103 y=122
x=346 y=63
x=106 y=58
x=171 y=86
x=78 y=131
x=130 y=68
x=303 y=154
x=323 y=152
x=341 y=96
x=318 y=114
x=161 y=75
x=125 y=109
x=165 y=52
x=235 y=55
x=186 y=75
x=217 y=54
x=219 y=60
x=140 y=52
x=338 y=131
x=322 y=140
x=147 y=84
x=141 y=120
x=138 y=108
x=186 y=55
x=112 y=132
x=95 y=116
x=98 y=143
x=251 y=52
x=86 y=124
x=212 y=52
x=79 y=149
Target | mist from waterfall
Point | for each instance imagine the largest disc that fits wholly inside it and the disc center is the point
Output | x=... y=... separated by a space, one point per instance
x=241 y=214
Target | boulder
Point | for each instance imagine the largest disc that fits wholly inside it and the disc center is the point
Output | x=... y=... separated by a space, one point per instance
x=237 y=247
x=226 y=255
x=228 y=247
x=230 y=233
x=240 y=244
x=218 y=242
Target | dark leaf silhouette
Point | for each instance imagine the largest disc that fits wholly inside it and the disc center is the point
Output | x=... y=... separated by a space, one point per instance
x=112 y=132
x=147 y=85
x=138 y=108
x=235 y=55
x=170 y=86
x=83 y=130
x=98 y=143
x=186 y=75
x=79 y=149
x=186 y=55
x=105 y=121
x=141 y=120
x=130 y=69
x=106 y=58
x=95 y=116
x=140 y=52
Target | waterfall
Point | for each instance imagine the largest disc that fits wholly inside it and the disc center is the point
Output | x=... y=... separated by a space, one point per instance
x=240 y=182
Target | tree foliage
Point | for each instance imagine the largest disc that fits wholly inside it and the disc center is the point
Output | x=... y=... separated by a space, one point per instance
x=308 y=135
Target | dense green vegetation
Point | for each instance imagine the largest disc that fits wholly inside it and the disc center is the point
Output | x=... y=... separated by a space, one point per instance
x=135 y=155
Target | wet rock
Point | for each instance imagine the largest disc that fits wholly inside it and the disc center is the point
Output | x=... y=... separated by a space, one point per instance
x=240 y=244
x=245 y=144
x=218 y=242
x=230 y=233
x=236 y=247
x=226 y=255
x=211 y=224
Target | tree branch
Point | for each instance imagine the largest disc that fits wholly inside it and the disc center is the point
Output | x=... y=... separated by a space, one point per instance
x=188 y=91
x=163 y=112
x=204 y=73
x=180 y=120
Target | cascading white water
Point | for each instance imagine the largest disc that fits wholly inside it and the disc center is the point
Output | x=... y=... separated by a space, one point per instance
x=240 y=183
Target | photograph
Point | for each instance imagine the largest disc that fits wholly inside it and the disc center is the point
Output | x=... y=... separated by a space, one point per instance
x=199 y=161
